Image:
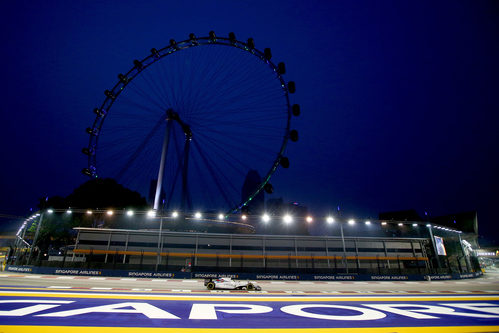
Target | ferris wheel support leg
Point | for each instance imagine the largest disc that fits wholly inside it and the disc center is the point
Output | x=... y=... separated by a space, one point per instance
x=164 y=151
x=185 y=189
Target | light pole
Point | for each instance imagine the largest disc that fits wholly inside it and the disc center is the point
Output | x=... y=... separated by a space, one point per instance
x=345 y=262
x=160 y=243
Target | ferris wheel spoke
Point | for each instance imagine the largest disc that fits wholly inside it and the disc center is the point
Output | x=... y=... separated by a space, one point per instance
x=221 y=153
x=215 y=176
x=236 y=137
x=235 y=100
x=154 y=87
x=141 y=146
x=259 y=119
x=145 y=95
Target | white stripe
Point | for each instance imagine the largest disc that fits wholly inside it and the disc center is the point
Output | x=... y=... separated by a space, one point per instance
x=65 y=277
x=190 y=281
x=97 y=278
x=127 y=279
x=140 y=289
x=60 y=287
x=33 y=276
x=101 y=288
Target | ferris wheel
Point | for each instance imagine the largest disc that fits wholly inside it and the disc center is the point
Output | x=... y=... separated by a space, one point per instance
x=187 y=123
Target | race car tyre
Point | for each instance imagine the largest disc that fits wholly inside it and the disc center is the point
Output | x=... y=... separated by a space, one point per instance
x=250 y=287
x=210 y=285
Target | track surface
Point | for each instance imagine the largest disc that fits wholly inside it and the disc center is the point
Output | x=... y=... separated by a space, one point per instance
x=55 y=304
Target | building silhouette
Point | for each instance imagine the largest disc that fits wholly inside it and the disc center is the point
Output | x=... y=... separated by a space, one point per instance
x=250 y=185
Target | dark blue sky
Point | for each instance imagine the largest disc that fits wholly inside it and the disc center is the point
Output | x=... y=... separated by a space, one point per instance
x=399 y=99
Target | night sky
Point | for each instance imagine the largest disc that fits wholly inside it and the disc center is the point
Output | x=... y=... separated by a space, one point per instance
x=400 y=100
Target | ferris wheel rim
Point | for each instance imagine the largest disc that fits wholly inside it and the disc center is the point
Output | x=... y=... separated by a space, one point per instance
x=175 y=47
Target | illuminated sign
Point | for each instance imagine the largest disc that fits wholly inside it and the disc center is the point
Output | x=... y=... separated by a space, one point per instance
x=439 y=244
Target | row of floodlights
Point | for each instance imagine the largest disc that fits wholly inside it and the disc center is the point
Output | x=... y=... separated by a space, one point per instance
x=29 y=219
x=266 y=218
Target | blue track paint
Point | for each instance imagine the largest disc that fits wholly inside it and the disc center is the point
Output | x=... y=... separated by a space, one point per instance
x=288 y=314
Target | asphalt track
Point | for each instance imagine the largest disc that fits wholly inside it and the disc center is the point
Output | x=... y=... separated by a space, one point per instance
x=71 y=304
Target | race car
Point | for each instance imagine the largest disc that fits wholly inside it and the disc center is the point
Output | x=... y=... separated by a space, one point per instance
x=228 y=283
